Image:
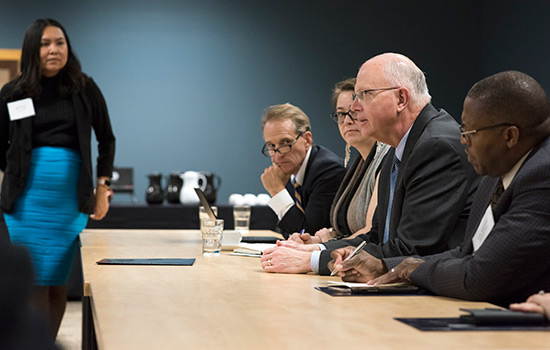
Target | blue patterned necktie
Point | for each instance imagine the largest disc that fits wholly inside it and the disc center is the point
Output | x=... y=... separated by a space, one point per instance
x=298 y=196
x=394 y=172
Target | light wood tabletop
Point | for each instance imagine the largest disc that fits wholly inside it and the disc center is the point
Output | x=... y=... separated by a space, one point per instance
x=229 y=302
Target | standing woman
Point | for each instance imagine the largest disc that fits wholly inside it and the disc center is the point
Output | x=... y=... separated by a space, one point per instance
x=46 y=117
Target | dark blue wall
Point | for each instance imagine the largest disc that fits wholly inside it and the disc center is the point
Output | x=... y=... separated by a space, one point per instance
x=186 y=81
x=516 y=37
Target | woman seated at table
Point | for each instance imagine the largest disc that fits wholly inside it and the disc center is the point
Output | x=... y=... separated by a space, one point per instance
x=354 y=203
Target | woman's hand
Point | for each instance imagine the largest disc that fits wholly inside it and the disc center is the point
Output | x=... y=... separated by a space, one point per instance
x=101 y=208
x=324 y=235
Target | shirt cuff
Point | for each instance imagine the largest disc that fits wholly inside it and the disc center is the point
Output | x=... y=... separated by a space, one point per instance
x=314 y=263
x=281 y=203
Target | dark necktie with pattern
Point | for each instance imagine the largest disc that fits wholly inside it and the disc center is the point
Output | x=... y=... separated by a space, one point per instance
x=298 y=196
x=499 y=189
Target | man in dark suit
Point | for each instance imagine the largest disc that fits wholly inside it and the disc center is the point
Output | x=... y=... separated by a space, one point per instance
x=504 y=256
x=433 y=181
x=304 y=178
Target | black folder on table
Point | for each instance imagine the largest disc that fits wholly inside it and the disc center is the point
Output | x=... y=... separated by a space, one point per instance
x=259 y=239
x=482 y=320
x=395 y=290
x=148 y=261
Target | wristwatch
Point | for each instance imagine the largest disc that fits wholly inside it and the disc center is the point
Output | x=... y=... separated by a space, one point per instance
x=104 y=182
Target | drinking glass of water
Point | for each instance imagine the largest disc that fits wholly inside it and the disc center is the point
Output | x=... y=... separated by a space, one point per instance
x=241 y=215
x=212 y=234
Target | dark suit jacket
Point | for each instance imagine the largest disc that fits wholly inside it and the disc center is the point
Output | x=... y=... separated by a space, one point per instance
x=433 y=194
x=324 y=173
x=514 y=260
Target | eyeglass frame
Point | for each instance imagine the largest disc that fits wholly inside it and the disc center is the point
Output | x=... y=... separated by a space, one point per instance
x=334 y=116
x=465 y=133
x=265 y=148
x=365 y=92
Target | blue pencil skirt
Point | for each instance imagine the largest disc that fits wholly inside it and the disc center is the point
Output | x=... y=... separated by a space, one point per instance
x=45 y=217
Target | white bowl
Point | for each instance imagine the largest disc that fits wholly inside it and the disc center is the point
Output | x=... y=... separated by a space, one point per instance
x=236 y=199
x=250 y=199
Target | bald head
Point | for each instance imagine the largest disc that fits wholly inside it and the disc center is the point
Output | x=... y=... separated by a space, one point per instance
x=399 y=70
x=391 y=92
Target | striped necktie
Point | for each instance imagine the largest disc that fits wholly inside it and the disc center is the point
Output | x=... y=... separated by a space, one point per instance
x=298 y=196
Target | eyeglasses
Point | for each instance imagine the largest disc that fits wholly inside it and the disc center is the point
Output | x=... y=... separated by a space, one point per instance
x=340 y=117
x=361 y=95
x=269 y=151
x=464 y=133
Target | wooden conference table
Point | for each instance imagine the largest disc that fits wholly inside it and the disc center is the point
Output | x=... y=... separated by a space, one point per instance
x=229 y=302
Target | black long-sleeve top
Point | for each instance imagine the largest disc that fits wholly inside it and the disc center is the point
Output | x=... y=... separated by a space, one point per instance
x=54 y=123
x=17 y=137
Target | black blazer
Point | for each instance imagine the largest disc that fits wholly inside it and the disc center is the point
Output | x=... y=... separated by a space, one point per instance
x=324 y=173
x=16 y=146
x=432 y=198
x=513 y=262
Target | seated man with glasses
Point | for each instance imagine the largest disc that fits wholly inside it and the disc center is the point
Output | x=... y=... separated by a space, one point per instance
x=426 y=183
x=303 y=178
x=504 y=256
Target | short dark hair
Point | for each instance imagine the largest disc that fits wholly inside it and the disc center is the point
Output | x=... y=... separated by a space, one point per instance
x=512 y=97
x=341 y=86
x=28 y=83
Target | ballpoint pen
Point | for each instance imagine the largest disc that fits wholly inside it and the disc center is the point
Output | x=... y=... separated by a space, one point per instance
x=302 y=231
x=354 y=253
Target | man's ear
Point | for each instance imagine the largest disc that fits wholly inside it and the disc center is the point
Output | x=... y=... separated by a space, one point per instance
x=404 y=98
x=308 y=137
x=511 y=135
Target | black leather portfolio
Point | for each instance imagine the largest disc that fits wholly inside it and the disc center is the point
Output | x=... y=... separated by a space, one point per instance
x=155 y=261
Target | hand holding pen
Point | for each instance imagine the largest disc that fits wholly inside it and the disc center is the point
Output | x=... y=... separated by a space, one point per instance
x=299 y=236
x=353 y=254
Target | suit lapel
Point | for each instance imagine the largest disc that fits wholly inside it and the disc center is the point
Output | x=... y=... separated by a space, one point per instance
x=481 y=202
x=428 y=113
x=307 y=180
x=26 y=132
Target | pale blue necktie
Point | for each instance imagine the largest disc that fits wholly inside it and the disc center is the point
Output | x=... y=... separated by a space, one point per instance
x=394 y=171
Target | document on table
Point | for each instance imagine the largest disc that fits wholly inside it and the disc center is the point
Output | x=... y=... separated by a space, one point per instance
x=251 y=249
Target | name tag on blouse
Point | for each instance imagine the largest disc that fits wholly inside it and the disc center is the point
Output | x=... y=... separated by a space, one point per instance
x=485 y=227
x=21 y=109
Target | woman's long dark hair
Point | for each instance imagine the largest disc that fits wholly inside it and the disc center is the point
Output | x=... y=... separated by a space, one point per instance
x=28 y=83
